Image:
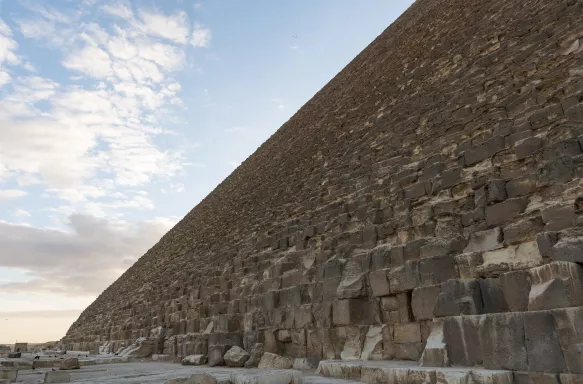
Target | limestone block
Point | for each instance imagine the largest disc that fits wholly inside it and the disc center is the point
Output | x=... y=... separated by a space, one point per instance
x=493 y=298
x=271 y=360
x=70 y=363
x=555 y=285
x=216 y=353
x=542 y=343
x=408 y=351
x=435 y=352
x=463 y=340
x=437 y=270
x=484 y=376
x=515 y=287
x=236 y=357
x=521 y=256
x=202 y=378
x=502 y=337
x=483 y=241
x=566 y=378
x=306 y=363
x=255 y=356
x=57 y=377
x=353 y=312
x=423 y=301
x=567 y=248
x=523 y=230
x=535 y=378
x=9 y=374
x=351 y=286
x=407 y=333
x=502 y=212
x=373 y=344
x=440 y=247
x=527 y=147
x=194 y=360
x=459 y=297
x=379 y=282
x=354 y=342
x=468 y=264
x=404 y=278
x=496 y=191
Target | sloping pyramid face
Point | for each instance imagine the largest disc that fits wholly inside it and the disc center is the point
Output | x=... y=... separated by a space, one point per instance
x=423 y=204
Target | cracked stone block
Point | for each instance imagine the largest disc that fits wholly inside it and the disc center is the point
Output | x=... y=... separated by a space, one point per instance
x=515 y=287
x=555 y=285
x=404 y=278
x=353 y=312
x=493 y=298
x=436 y=270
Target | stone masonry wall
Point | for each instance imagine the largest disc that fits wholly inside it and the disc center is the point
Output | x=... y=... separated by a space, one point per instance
x=423 y=204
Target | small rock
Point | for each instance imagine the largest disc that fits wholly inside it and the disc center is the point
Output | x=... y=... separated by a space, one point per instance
x=236 y=357
x=194 y=360
x=271 y=360
x=70 y=363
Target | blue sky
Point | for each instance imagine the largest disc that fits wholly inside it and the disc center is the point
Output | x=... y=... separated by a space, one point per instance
x=117 y=117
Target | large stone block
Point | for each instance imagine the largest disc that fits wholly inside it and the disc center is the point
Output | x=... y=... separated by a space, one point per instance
x=354 y=342
x=404 y=278
x=488 y=240
x=379 y=282
x=502 y=212
x=407 y=333
x=515 y=286
x=461 y=335
x=543 y=349
x=459 y=297
x=503 y=341
x=555 y=285
x=353 y=312
x=437 y=270
x=423 y=301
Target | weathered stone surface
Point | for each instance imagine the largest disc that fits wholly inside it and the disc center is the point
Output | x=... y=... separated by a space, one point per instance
x=194 y=360
x=448 y=153
x=555 y=285
x=236 y=357
x=57 y=377
x=502 y=337
x=271 y=360
x=70 y=363
x=255 y=356
x=482 y=241
x=202 y=378
x=423 y=301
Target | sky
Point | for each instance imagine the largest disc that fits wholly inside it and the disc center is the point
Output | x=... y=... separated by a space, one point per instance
x=117 y=117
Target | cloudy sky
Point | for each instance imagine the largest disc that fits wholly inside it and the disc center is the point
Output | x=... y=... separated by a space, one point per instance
x=118 y=117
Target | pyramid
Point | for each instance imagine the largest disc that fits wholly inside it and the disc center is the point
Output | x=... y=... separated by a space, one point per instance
x=424 y=206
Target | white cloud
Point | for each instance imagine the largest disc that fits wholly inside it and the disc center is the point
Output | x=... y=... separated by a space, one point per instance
x=236 y=129
x=9 y=194
x=234 y=164
x=92 y=61
x=201 y=37
x=85 y=259
x=170 y=27
x=121 y=10
x=21 y=213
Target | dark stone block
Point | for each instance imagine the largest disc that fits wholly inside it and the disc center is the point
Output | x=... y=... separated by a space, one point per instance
x=492 y=296
x=437 y=270
x=505 y=211
x=503 y=341
x=542 y=343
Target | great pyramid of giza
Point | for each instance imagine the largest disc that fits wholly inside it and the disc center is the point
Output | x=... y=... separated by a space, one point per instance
x=424 y=205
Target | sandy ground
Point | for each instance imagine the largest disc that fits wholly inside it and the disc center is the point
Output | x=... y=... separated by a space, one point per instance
x=150 y=372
